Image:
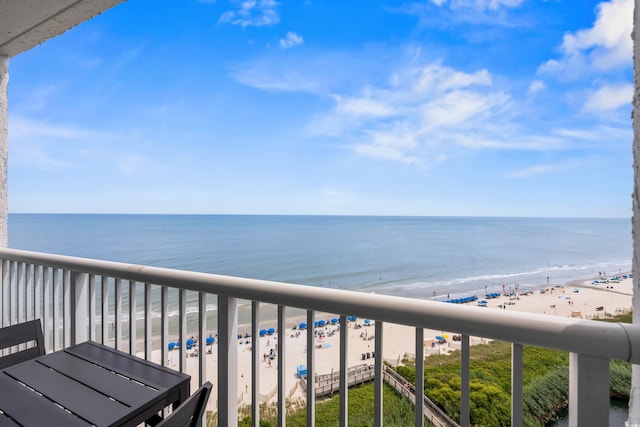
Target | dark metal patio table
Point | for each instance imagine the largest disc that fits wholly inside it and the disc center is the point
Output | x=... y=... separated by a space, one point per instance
x=87 y=384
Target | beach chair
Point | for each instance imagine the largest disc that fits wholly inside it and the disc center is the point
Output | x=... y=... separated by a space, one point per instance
x=19 y=335
x=189 y=414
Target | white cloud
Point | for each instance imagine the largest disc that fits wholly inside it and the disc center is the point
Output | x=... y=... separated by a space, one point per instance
x=22 y=127
x=130 y=164
x=256 y=13
x=605 y=46
x=291 y=40
x=533 y=170
x=609 y=98
x=535 y=87
x=480 y=4
x=420 y=108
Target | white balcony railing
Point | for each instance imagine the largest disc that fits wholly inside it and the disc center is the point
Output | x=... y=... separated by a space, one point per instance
x=63 y=292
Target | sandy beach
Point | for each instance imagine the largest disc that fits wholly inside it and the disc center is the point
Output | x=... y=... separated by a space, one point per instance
x=580 y=299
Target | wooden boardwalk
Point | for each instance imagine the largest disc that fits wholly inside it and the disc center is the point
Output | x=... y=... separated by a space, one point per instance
x=328 y=384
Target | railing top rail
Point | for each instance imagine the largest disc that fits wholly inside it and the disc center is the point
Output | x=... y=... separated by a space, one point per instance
x=593 y=338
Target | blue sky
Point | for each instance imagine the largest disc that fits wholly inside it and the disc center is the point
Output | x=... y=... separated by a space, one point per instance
x=434 y=107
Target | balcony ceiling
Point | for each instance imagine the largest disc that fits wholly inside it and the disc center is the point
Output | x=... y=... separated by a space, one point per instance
x=27 y=23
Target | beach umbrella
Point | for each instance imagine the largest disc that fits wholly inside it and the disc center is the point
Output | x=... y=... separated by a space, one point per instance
x=445 y=336
x=321 y=322
x=210 y=340
x=190 y=342
x=351 y=318
x=316 y=324
x=172 y=345
x=440 y=338
x=334 y=320
x=303 y=326
x=367 y=321
x=271 y=331
x=263 y=332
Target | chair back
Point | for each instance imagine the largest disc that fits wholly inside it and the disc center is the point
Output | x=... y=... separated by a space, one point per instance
x=189 y=414
x=22 y=333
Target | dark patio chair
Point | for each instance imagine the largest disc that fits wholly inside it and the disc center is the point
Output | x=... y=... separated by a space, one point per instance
x=22 y=333
x=189 y=414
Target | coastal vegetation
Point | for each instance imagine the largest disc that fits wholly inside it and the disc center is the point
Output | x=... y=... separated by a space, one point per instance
x=545 y=382
x=398 y=411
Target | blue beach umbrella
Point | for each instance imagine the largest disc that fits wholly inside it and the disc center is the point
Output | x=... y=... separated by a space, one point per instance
x=303 y=326
x=321 y=322
x=263 y=332
x=210 y=340
x=367 y=321
x=172 y=345
x=334 y=320
x=271 y=331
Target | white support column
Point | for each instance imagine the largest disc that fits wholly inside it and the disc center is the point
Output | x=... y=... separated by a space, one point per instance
x=228 y=361
x=588 y=391
x=79 y=311
x=4 y=148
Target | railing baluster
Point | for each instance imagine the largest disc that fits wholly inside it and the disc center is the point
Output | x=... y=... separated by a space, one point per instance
x=133 y=305
x=148 y=311
x=118 y=313
x=182 y=326
x=465 y=378
x=202 y=340
x=21 y=297
x=66 y=308
x=378 y=366
x=419 y=387
x=282 y=370
x=255 y=364
x=6 y=293
x=13 y=305
x=164 y=324
x=78 y=310
x=37 y=293
x=311 y=370
x=56 y=309
x=227 y=361
x=104 y=287
x=517 y=362
x=46 y=304
x=344 y=366
x=92 y=308
x=29 y=285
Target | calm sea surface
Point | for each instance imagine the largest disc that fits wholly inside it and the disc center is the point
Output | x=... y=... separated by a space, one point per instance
x=408 y=256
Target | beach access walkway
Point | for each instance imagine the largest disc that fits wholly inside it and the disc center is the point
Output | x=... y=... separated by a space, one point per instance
x=328 y=384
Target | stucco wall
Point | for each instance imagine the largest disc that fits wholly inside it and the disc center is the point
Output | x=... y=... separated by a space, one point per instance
x=4 y=144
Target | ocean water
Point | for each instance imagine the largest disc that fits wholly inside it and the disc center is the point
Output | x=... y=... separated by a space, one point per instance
x=418 y=257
